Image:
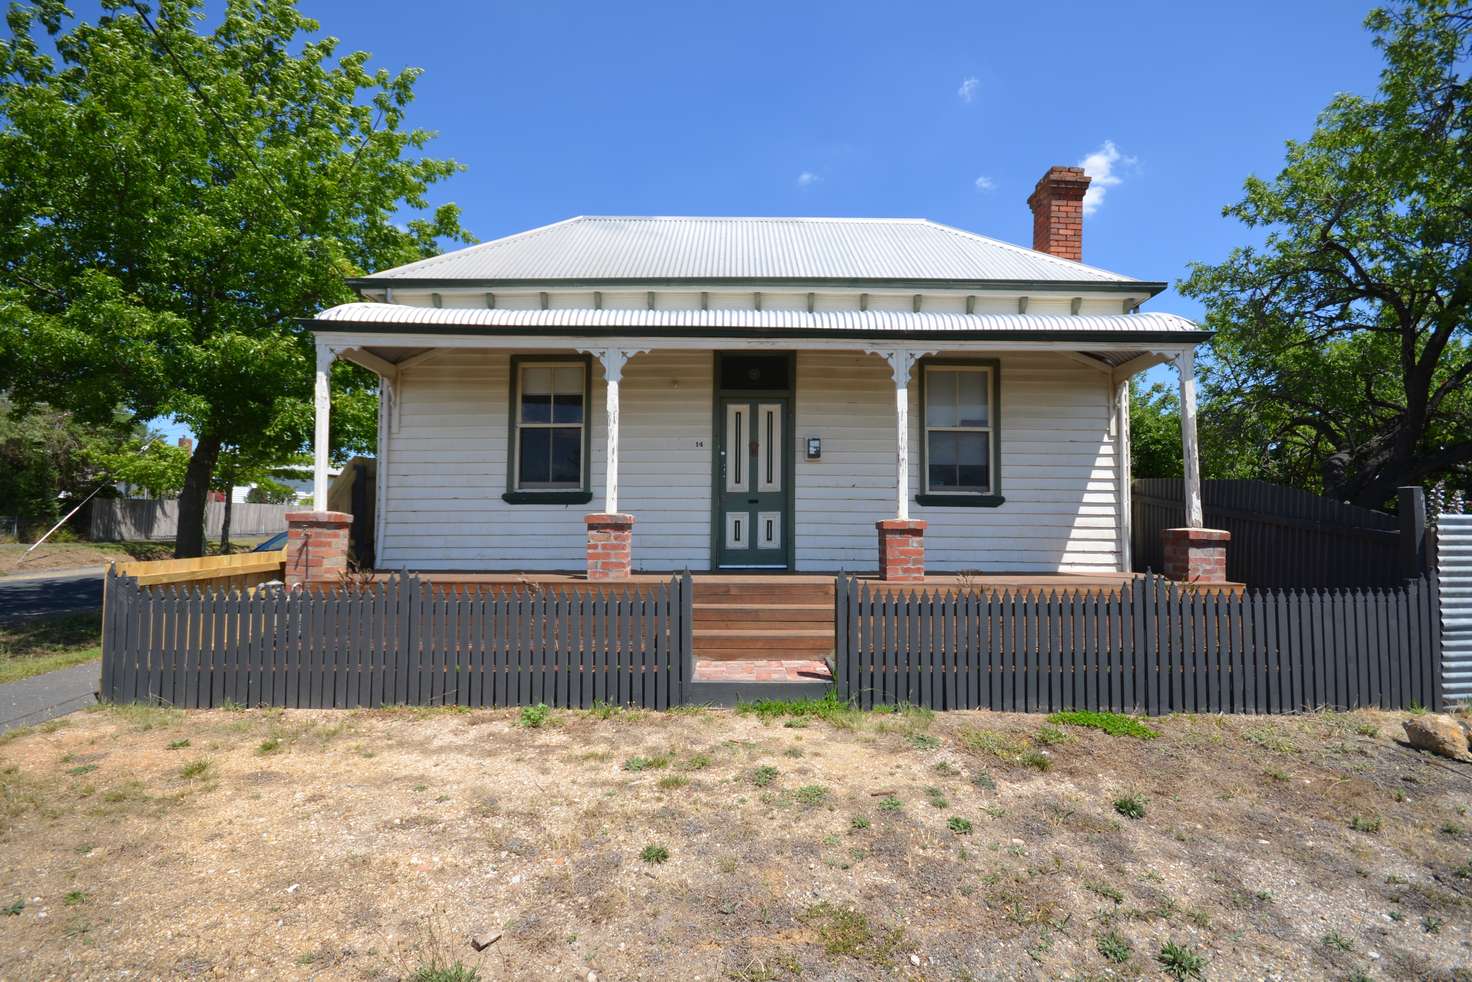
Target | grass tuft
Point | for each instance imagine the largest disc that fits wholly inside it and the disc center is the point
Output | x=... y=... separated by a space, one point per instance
x=195 y=770
x=1180 y=962
x=655 y=854
x=959 y=825
x=830 y=707
x=1130 y=806
x=1114 y=948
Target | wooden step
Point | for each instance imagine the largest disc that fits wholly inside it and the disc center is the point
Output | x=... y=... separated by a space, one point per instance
x=737 y=615
x=759 y=644
x=771 y=591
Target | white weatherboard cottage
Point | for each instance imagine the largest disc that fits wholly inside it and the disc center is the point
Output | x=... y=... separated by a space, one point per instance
x=758 y=394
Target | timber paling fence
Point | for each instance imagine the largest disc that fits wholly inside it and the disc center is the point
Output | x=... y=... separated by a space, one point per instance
x=1281 y=536
x=396 y=642
x=1153 y=647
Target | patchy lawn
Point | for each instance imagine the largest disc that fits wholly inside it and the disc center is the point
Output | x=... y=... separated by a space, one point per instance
x=709 y=844
x=44 y=644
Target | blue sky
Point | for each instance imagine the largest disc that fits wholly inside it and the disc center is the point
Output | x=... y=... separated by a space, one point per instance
x=947 y=111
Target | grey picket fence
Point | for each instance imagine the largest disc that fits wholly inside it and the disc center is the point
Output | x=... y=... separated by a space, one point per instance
x=1151 y=648
x=397 y=642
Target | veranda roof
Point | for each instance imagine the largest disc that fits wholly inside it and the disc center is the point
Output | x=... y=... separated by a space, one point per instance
x=397 y=318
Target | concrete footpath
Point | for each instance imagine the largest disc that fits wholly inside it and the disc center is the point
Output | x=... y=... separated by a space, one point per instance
x=43 y=697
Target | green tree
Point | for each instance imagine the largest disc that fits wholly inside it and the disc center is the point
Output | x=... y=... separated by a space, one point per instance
x=172 y=200
x=268 y=491
x=1341 y=358
x=49 y=460
x=1155 y=432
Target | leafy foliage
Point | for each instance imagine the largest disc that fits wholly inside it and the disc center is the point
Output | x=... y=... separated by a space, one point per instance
x=161 y=266
x=1342 y=357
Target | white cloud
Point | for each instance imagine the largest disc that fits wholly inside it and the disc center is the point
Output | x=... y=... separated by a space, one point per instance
x=1102 y=165
x=968 y=88
x=984 y=183
x=807 y=179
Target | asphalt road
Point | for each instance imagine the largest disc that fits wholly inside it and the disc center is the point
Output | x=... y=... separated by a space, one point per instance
x=50 y=593
x=43 y=697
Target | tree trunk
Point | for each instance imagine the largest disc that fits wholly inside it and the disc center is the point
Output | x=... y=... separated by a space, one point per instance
x=189 y=540
x=225 y=524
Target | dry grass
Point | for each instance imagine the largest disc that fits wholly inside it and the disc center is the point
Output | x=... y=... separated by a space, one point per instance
x=44 y=644
x=372 y=844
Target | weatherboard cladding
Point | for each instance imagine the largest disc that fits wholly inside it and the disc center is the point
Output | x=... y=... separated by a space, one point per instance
x=404 y=319
x=594 y=248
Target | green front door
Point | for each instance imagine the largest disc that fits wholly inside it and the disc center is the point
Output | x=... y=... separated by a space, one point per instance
x=752 y=484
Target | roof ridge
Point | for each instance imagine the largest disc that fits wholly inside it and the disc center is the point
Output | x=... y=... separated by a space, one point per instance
x=502 y=240
x=1024 y=250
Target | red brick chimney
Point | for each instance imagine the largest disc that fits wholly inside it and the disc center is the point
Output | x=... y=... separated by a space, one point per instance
x=1057 y=205
x=187 y=443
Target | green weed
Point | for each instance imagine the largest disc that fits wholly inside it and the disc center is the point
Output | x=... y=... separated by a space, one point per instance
x=1115 y=724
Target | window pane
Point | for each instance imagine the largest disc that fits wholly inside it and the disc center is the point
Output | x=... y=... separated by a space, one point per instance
x=567 y=451
x=536 y=408
x=567 y=408
x=958 y=461
x=568 y=380
x=943 y=448
x=535 y=459
x=940 y=398
x=537 y=381
x=971 y=398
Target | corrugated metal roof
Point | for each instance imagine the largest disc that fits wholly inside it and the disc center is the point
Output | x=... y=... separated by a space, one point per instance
x=406 y=319
x=1454 y=560
x=758 y=249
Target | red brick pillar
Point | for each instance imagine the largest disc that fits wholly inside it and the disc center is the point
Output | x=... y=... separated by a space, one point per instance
x=316 y=546
x=901 y=549
x=610 y=546
x=1196 y=555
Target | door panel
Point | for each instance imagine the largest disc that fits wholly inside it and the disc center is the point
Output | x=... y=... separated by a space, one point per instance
x=769 y=445
x=753 y=501
x=738 y=432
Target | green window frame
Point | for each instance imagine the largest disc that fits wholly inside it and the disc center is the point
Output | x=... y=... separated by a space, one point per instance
x=940 y=381
x=520 y=428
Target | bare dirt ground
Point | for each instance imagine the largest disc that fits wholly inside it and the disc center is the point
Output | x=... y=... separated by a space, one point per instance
x=147 y=843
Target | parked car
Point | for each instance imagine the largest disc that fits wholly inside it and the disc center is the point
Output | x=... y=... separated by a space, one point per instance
x=273 y=544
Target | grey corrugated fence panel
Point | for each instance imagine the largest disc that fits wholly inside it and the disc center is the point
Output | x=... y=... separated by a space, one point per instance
x=1153 y=647
x=1281 y=536
x=133 y=519
x=397 y=642
x=1454 y=563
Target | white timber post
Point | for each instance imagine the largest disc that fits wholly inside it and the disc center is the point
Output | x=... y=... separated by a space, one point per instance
x=1124 y=467
x=320 y=444
x=1186 y=365
x=901 y=361
x=613 y=361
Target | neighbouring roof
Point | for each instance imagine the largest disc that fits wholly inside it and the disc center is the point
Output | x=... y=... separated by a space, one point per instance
x=401 y=319
x=608 y=250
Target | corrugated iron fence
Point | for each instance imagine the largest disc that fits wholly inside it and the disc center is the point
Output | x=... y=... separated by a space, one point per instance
x=1281 y=536
x=1454 y=558
x=1152 y=647
x=396 y=642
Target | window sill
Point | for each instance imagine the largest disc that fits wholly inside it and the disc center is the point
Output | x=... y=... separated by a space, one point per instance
x=959 y=500
x=547 y=497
